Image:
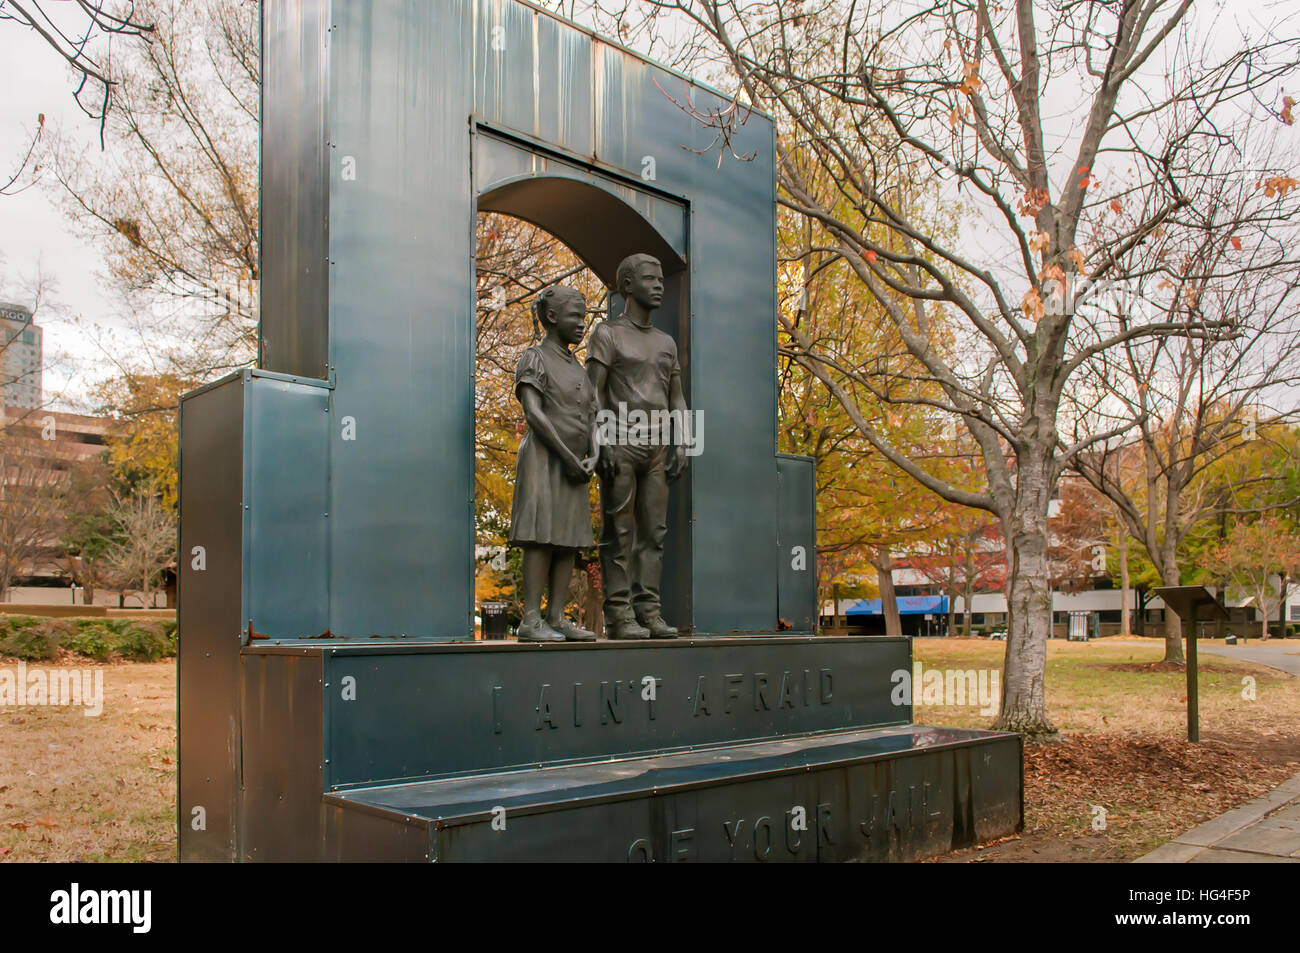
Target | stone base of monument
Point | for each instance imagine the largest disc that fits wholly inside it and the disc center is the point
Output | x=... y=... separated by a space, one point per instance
x=767 y=748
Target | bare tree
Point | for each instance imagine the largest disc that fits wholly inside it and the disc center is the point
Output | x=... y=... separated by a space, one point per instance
x=31 y=495
x=1229 y=258
x=146 y=543
x=89 y=529
x=1040 y=116
x=81 y=32
x=175 y=203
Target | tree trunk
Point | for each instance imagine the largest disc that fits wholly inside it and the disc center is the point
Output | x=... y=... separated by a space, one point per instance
x=1029 y=609
x=952 y=612
x=966 y=599
x=888 y=601
x=1126 y=596
x=1171 y=575
x=1281 y=608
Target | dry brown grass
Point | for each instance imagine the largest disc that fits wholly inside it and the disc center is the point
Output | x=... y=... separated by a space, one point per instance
x=78 y=788
x=1124 y=748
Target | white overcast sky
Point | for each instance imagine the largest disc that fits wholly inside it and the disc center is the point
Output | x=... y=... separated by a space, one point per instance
x=34 y=230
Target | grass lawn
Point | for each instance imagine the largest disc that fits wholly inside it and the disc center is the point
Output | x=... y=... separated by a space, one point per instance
x=79 y=788
x=1124 y=745
x=75 y=788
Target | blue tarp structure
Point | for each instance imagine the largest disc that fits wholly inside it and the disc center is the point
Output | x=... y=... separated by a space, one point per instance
x=907 y=605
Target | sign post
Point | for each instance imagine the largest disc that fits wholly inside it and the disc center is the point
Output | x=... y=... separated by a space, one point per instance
x=1192 y=604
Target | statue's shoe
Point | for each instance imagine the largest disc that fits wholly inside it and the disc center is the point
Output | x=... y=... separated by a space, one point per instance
x=626 y=629
x=659 y=629
x=573 y=632
x=537 y=631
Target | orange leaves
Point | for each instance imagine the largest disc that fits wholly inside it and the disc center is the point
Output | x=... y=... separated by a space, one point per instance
x=1278 y=185
x=1287 y=103
x=1236 y=242
x=1086 y=178
x=1076 y=257
x=1038 y=241
x=1032 y=304
x=971 y=78
x=1032 y=202
x=1115 y=206
x=870 y=256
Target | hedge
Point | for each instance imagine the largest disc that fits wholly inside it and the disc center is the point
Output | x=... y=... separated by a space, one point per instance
x=35 y=639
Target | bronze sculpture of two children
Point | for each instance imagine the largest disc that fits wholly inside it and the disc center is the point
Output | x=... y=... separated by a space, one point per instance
x=631 y=367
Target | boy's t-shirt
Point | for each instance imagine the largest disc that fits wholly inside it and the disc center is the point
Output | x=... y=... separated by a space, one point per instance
x=641 y=361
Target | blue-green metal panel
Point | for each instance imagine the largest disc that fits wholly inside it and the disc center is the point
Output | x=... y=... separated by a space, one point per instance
x=286 y=541
x=294 y=198
x=797 y=542
x=491 y=706
x=564 y=86
x=733 y=353
x=401 y=325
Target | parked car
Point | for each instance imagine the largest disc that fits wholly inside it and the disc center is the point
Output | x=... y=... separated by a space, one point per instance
x=998 y=634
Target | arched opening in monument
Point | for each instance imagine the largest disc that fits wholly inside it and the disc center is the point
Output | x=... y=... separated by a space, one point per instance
x=532 y=234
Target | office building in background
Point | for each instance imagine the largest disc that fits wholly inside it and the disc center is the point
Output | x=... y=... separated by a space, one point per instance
x=20 y=360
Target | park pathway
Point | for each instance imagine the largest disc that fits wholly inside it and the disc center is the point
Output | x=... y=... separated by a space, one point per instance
x=1284 y=654
x=1263 y=831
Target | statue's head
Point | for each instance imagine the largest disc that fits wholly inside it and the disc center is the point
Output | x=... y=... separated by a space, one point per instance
x=562 y=308
x=640 y=278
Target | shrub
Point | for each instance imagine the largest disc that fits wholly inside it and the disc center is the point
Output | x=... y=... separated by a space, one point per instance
x=146 y=642
x=95 y=639
x=30 y=643
x=34 y=639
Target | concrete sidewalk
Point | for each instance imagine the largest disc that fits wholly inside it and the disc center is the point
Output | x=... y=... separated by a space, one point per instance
x=1281 y=654
x=1263 y=831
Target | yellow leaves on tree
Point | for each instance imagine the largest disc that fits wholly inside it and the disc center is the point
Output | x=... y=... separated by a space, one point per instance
x=144 y=449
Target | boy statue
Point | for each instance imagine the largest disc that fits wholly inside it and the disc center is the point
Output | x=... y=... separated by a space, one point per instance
x=634 y=368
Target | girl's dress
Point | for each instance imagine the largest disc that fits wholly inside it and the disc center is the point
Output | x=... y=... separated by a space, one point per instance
x=549 y=508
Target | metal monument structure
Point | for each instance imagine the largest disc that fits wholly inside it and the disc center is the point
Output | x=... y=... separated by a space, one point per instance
x=333 y=702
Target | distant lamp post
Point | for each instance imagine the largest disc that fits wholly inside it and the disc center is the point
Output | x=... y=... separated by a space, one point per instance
x=1192 y=604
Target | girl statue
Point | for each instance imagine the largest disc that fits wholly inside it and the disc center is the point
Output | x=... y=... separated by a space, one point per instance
x=551 y=516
